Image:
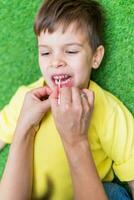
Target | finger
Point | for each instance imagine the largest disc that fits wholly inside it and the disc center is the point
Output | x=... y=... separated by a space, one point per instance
x=42 y=92
x=65 y=95
x=84 y=100
x=90 y=97
x=76 y=98
x=45 y=105
x=54 y=97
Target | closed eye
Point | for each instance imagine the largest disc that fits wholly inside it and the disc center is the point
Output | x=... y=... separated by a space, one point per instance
x=68 y=52
x=72 y=52
x=44 y=54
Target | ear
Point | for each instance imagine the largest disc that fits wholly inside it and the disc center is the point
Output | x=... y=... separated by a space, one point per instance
x=97 y=57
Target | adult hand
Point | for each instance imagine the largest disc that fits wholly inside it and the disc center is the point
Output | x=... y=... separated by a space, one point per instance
x=34 y=108
x=73 y=114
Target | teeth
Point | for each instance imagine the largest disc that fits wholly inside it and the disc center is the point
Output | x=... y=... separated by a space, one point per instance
x=60 y=77
x=66 y=76
x=63 y=82
x=57 y=81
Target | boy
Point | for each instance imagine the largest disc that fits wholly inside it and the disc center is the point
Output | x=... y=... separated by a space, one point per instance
x=70 y=45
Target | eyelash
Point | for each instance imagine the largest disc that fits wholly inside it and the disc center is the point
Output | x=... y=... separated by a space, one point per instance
x=44 y=54
x=70 y=52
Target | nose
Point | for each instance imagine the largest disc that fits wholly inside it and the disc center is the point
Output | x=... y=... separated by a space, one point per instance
x=58 y=61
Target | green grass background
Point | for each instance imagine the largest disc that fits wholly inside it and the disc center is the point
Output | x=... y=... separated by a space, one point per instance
x=18 y=51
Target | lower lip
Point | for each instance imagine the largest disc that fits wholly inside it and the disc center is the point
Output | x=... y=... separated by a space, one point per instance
x=69 y=83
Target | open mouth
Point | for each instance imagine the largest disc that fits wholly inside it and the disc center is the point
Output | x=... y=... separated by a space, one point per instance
x=62 y=80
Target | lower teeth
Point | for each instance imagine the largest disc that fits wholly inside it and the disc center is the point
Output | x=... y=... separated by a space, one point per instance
x=61 y=81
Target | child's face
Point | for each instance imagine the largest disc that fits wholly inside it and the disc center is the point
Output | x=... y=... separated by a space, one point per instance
x=65 y=56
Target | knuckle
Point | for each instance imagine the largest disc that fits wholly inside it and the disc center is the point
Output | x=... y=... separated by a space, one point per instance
x=78 y=109
x=66 y=108
x=28 y=95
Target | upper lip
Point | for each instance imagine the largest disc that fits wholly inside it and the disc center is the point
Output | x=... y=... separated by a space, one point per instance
x=60 y=76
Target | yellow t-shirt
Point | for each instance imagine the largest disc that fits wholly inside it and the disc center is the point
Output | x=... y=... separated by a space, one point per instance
x=111 y=137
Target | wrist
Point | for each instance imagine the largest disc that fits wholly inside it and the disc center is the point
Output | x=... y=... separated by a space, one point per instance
x=24 y=133
x=77 y=151
x=76 y=144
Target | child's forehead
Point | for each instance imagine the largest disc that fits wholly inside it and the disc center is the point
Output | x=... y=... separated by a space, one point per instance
x=72 y=27
x=58 y=38
x=72 y=30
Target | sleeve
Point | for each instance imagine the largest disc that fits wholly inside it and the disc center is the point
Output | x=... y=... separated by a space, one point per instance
x=9 y=115
x=118 y=142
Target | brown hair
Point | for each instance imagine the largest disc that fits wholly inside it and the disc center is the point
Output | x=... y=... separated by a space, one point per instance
x=87 y=14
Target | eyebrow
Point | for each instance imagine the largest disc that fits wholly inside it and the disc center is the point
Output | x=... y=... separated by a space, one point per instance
x=67 y=44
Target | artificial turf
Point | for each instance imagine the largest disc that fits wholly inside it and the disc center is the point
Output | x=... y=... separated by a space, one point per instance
x=18 y=51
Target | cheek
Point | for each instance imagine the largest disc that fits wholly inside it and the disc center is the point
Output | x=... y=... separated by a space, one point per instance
x=42 y=65
x=82 y=67
x=82 y=72
x=43 y=69
x=41 y=62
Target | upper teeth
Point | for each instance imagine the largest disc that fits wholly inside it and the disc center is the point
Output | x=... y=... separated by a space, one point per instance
x=60 y=77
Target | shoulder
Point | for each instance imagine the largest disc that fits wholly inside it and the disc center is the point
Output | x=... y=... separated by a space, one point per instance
x=23 y=89
x=39 y=83
x=116 y=124
x=112 y=114
x=18 y=97
x=10 y=113
x=106 y=101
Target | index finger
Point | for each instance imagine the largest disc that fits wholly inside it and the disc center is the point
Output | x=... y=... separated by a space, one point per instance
x=42 y=92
